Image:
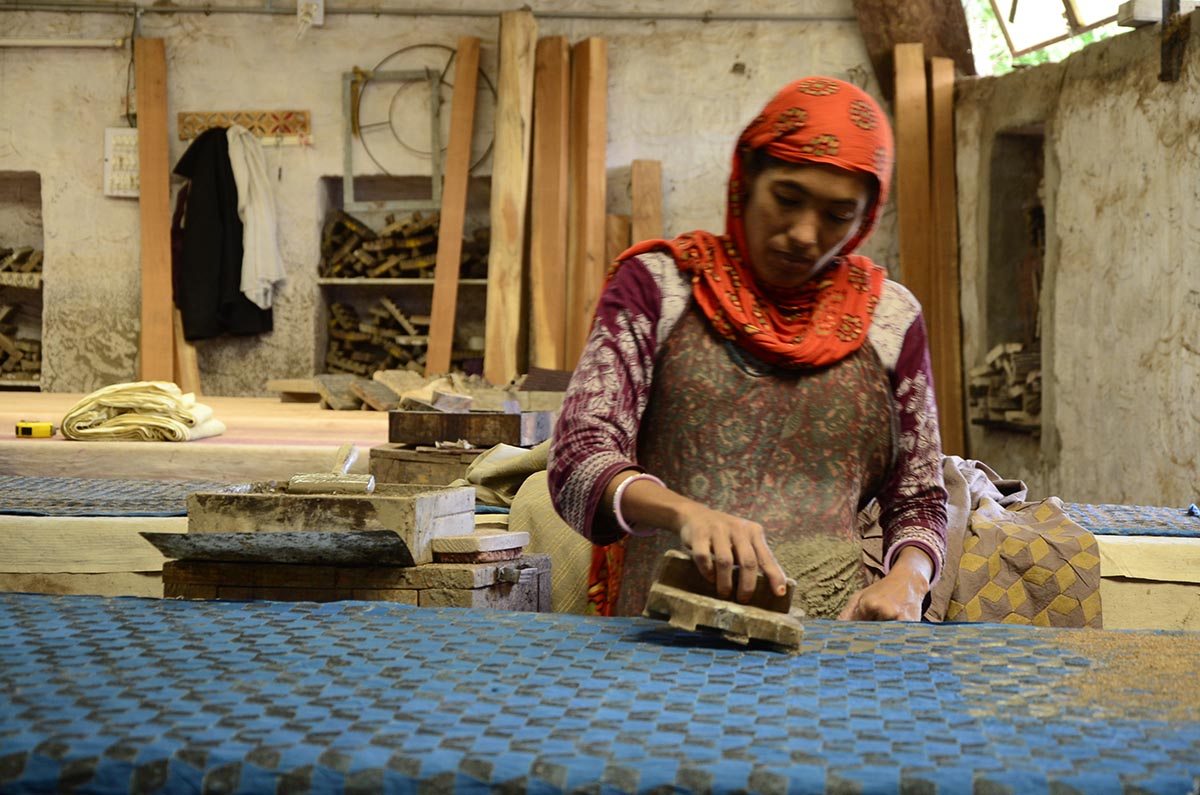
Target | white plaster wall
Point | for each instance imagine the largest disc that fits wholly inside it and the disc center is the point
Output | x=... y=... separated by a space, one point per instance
x=679 y=91
x=1122 y=305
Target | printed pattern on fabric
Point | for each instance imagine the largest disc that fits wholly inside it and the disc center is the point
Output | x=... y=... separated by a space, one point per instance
x=1032 y=566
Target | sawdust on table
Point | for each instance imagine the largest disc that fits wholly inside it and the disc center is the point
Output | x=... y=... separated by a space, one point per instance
x=827 y=572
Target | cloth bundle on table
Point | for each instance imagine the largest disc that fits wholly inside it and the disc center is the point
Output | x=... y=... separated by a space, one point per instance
x=142 y=411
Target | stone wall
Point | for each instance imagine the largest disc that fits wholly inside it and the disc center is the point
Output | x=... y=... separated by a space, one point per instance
x=1120 y=305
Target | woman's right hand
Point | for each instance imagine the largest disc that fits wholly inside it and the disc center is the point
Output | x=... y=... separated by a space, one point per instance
x=718 y=541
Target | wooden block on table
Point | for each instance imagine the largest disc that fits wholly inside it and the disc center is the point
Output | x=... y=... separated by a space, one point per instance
x=683 y=597
x=391 y=463
x=415 y=515
x=375 y=394
x=480 y=429
x=295 y=390
x=481 y=541
x=335 y=391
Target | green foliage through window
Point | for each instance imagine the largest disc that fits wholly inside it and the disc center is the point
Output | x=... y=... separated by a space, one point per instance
x=992 y=55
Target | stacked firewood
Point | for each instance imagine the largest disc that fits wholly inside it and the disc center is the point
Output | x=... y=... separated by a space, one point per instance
x=1007 y=388
x=20 y=359
x=405 y=248
x=20 y=267
x=387 y=339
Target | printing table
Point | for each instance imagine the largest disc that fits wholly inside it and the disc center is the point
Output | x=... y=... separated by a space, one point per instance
x=138 y=695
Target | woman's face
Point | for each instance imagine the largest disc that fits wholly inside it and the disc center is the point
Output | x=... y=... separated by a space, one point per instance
x=799 y=216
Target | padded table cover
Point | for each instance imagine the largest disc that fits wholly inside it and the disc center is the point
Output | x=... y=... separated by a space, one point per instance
x=160 y=696
x=1134 y=520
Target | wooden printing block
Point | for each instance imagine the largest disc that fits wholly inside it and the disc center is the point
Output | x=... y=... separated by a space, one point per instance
x=415 y=514
x=479 y=428
x=335 y=391
x=391 y=463
x=375 y=394
x=482 y=546
x=684 y=598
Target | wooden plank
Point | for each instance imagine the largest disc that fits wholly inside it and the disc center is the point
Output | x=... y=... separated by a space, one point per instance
x=480 y=429
x=586 y=253
x=616 y=236
x=454 y=207
x=187 y=366
x=548 y=204
x=944 y=317
x=510 y=187
x=156 y=349
x=645 y=183
x=912 y=169
x=940 y=25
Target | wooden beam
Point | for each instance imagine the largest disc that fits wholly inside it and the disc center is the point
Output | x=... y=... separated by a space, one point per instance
x=585 y=243
x=616 y=236
x=912 y=169
x=510 y=191
x=944 y=318
x=548 y=204
x=454 y=208
x=646 y=187
x=940 y=25
x=156 y=349
x=187 y=366
x=1176 y=30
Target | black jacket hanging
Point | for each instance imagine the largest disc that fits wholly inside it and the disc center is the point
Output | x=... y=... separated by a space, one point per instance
x=208 y=269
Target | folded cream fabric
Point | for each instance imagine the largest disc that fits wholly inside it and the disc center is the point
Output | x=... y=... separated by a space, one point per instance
x=143 y=411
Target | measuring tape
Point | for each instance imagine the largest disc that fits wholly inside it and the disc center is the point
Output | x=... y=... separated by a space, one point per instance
x=35 y=430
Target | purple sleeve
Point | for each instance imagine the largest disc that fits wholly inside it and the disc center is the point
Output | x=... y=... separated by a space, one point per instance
x=913 y=503
x=596 y=433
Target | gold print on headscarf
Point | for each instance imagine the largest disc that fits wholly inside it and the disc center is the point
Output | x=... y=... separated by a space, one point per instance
x=872 y=303
x=859 y=278
x=789 y=121
x=822 y=145
x=863 y=115
x=850 y=328
x=818 y=87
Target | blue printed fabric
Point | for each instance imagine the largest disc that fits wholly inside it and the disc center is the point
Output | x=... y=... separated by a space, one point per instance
x=1134 y=520
x=105 y=695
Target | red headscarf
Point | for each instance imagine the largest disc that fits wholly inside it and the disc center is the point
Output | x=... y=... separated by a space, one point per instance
x=813 y=120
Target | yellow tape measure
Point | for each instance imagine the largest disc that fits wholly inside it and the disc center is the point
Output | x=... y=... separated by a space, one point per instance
x=35 y=430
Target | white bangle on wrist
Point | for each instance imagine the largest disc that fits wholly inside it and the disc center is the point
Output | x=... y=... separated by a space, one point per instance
x=620 y=492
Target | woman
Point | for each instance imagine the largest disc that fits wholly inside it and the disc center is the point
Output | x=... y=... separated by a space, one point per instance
x=744 y=396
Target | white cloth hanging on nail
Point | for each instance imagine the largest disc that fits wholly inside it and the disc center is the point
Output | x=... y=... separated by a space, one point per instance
x=262 y=265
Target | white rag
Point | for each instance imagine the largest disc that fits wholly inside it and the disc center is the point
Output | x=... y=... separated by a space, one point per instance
x=262 y=265
x=142 y=411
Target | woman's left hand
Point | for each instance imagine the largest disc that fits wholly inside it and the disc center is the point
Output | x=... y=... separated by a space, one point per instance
x=899 y=596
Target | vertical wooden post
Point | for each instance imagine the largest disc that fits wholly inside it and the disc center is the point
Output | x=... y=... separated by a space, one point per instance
x=454 y=208
x=912 y=168
x=187 y=366
x=548 y=204
x=616 y=236
x=156 y=348
x=510 y=193
x=646 y=187
x=945 y=316
x=585 y=243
